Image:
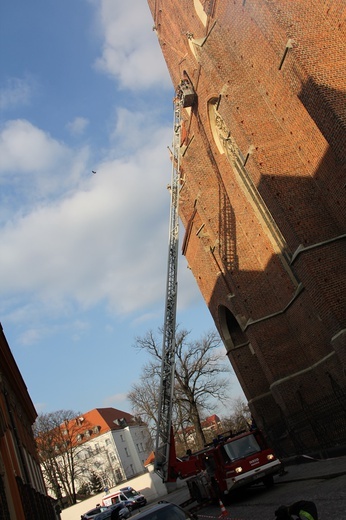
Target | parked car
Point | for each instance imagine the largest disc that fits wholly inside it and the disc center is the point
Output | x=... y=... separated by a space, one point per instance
x=123 y=512
x=165 y=511
x=117 y=497
x=90 y=515
x=138 y=500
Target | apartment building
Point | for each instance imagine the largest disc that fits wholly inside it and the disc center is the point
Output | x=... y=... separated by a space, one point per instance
x=104 y=442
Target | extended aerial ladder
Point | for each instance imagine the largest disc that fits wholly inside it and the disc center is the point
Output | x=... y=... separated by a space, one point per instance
x=185 y=97
x=232 y=460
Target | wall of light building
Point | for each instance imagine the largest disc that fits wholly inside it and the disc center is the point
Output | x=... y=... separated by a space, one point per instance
x=149 y=484
x=131 y=444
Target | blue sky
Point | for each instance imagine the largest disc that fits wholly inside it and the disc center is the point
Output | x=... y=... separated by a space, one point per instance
x=83 y=257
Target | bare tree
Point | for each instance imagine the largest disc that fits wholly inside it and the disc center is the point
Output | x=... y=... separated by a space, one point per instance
x=56 y=435
x=198 y=379
x=144 y=399
x=240 y=418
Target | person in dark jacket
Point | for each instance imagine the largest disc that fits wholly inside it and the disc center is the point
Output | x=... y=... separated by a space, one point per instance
x=303 y=509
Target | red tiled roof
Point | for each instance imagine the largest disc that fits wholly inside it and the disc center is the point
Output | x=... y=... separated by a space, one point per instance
x=211 y=420
x=96 y=422
x=105 y=418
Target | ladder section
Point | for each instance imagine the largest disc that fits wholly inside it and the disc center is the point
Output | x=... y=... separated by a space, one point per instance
x=184 y=97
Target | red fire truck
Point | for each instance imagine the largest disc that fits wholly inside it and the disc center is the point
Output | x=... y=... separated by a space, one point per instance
x=228 y=463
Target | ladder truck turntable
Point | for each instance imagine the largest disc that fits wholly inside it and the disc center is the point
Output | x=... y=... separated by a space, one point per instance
x=232 y=460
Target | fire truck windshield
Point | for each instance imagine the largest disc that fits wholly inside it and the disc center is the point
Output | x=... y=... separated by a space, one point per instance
x=239 y=448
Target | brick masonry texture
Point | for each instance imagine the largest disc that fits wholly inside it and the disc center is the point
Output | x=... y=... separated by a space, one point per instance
x=265 y=175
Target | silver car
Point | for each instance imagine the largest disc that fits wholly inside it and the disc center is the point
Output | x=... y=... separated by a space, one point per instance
x=90 y=515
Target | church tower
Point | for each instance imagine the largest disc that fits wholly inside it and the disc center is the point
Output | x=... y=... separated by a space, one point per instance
x=263 y=163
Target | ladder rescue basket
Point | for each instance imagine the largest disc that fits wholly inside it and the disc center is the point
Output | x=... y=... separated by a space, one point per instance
x=186 y=93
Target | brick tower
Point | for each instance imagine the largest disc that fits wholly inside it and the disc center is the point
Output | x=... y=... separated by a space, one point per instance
x=263 y=199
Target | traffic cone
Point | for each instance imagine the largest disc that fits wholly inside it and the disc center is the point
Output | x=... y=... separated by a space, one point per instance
x=223 y=509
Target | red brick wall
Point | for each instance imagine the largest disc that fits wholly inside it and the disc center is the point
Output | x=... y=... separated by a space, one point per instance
x=271 y=250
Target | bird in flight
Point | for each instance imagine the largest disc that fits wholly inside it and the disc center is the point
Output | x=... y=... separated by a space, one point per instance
x=92 y=171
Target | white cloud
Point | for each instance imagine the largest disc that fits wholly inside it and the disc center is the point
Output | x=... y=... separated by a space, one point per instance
x=16 y=92
x=72 y=239
x=103 y=238
x=131 y=52
x=25 y=148
x=100 y=241
x=30 y=336
x=79 y=250
x=77 y=126
x=35 y=166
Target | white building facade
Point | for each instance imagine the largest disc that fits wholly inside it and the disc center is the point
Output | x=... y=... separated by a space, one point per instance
x=107 y=443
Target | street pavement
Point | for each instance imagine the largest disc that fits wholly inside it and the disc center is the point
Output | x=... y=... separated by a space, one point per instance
x=302 y=469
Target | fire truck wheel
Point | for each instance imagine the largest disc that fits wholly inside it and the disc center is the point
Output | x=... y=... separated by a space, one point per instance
x=196 y=493
x=268 y=481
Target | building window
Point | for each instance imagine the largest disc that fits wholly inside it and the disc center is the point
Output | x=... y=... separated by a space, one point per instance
x=127 y=452
x=217 y=125
x=231 y=331
x=121 y=437
x=200 y=11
